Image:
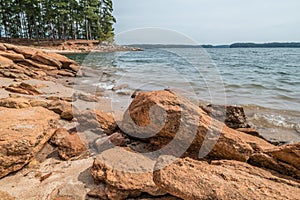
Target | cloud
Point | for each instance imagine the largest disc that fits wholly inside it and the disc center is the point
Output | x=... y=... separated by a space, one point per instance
x=214 y=21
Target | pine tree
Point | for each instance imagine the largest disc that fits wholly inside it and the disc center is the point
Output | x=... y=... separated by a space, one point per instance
x=57 y=19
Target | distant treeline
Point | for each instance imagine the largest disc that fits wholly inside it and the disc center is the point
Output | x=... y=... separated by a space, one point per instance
x=56 y=19
x=266 y=45
x=149 y=46
x=235 y=45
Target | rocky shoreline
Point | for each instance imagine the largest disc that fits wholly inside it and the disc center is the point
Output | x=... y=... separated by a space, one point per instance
x=76 y=46
x=53 y=149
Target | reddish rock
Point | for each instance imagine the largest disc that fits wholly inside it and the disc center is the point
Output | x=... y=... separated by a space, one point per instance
x=46 y=59
x=37 y=103
x=107 y=142
x=15 y=103
x=97 y=120
x=66 y=73
x=12 y=56
x=23 y=88
x=73 y=67
x=4 y=195
x=125 y=172
x=67 y=114
x=4 y=62
x=59 y=106
x=85 y=97
x=2 y=47
x=23 y=133
x=191 y=126
x=250 y=131
x=37 y=65
x=98 y=192
x=191 y=179
x=284 y=159
x=69 y=145
x=27 y=52
x=66 y=62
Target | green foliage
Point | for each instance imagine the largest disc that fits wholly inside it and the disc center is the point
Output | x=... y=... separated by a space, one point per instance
x=57 y=19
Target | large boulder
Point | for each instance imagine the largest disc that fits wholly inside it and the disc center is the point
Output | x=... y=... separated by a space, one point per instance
x=23 y=133
x=125 y=173
x=179 y=127
x=191 y=179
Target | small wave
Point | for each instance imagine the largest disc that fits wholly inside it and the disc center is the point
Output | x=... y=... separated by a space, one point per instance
x=275 y=120
x=285 y=97
x=256 y=86
x=103 y=86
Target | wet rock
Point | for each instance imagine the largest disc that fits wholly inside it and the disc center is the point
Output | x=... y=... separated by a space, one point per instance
x=15 y=103
x=23 y=133
x=224 y=179
x=107 y=142
x=233 y=116
x=284 y=159
x=85 y=97
x=69 y=144
x=12 y=56
x=97 y=120
x=125 y=171
x=169 y=120
x=46 y=59
x=250 y=131
x=119 y=87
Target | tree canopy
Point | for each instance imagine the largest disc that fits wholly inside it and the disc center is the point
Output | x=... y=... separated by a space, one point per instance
x=57 y=19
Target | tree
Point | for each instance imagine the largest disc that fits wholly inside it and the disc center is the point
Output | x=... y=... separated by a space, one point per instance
x=56 y=19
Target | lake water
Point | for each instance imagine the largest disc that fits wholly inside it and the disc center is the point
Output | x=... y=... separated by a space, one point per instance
x=266 y=82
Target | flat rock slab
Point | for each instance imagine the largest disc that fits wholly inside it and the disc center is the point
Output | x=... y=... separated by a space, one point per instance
x=62 y=179
x=224 y=179
x=23 y=133
x=125 y=171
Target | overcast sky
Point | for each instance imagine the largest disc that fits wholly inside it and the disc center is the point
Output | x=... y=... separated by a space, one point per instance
x=214 y=21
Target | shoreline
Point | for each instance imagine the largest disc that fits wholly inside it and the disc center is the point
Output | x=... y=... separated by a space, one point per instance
x=54 y=146
x=74 y=46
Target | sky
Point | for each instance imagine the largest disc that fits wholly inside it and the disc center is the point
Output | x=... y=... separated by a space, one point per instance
x=210 y=21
